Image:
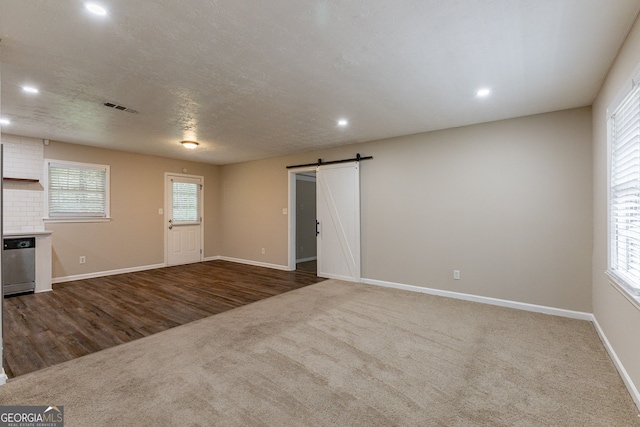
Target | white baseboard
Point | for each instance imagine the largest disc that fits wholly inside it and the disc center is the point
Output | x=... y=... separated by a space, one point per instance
x=633 y=390
x=485 y=300
x=311 y=258
x=211 y=258
x=105 y=273
x=256 y=263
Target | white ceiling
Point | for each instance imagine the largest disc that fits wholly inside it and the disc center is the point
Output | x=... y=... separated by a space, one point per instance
x=257 y=79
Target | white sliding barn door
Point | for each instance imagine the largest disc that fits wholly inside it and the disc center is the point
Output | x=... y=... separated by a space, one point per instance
x=338 y=213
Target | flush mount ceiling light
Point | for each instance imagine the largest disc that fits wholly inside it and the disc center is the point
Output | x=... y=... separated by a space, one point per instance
x=96 y=9
x=483 y=92
x=343 y=122
x=189 y=144
x=30 y=89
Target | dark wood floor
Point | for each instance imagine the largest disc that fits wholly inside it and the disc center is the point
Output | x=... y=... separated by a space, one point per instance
x=308 y=266
x=85 y=316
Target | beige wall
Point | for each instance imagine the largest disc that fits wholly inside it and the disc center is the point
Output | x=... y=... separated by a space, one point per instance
x=508 y=203
x=619 y=319
x=135 y=235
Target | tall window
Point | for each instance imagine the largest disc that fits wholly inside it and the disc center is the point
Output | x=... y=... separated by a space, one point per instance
x=77 y=191
x=624 y=192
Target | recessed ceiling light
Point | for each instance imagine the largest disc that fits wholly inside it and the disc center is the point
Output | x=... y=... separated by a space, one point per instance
x=483 y=92
x=343 y=122
x=30 y=89
x=189 y=144
x=5 y=122
x=95 y=9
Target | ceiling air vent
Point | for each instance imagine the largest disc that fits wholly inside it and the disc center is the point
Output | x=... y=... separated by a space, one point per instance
x=119 y=107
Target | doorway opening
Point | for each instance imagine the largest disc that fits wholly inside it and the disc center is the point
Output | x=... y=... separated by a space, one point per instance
x=303 y=212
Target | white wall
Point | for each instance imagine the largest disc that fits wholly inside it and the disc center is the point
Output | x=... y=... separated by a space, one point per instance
x=617 y=316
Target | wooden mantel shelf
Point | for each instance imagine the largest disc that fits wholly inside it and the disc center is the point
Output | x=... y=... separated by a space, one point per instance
x=20 y=179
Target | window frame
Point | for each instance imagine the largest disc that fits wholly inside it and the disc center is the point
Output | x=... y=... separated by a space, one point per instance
x=76 y=165
x=199 y=188
x=630 y=290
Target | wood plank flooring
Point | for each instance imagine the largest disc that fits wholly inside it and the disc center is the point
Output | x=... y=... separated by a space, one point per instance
x=308 y=266
x=85 y=316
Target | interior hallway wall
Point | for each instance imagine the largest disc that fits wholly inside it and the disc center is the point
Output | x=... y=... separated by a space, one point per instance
x=508 y=203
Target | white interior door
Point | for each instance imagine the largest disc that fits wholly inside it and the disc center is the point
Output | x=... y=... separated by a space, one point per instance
x=183 y=219
x=338 y=212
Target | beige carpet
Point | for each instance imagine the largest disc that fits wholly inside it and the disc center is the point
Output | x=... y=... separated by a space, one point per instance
x=345 y=354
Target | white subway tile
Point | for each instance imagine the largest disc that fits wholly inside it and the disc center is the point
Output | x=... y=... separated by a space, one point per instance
x=23 y=202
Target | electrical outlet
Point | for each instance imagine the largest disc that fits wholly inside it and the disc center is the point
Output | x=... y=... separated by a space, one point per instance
x=263 y=251
x=456 y=274
x=83 y=259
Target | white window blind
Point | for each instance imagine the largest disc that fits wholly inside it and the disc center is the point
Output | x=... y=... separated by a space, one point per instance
x=186 y=202
x=624 y=193
x=77 y=190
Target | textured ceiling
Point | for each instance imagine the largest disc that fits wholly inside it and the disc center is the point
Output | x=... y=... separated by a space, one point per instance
x=256 y=79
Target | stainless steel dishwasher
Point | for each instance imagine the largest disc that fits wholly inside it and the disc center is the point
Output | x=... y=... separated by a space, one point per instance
x=19 y=265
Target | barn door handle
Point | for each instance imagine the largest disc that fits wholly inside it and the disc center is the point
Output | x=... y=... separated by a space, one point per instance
x=317 y=228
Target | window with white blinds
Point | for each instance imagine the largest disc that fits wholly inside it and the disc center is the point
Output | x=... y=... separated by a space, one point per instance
x=77 y=190
x=624 y=193
x=186 y=202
